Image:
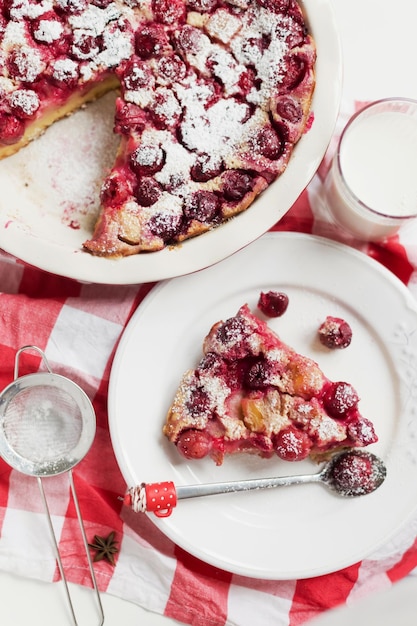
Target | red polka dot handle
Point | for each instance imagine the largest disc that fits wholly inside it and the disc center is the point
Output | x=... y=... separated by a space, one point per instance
x=158 y=498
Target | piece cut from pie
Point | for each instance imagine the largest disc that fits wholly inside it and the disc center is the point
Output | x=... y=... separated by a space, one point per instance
x=213 y=97
x=251 y=392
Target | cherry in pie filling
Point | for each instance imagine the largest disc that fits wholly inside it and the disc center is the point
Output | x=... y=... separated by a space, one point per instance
x=214 y=94
x=251 y=392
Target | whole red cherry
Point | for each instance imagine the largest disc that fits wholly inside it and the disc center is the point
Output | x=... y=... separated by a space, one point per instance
x=335 y=332
x=148 y=191
x=147 y=159
x=339 y=398
x=292 y=444
x=273 y=303
x=11 y=128
x=236 y=184
x=194 y=444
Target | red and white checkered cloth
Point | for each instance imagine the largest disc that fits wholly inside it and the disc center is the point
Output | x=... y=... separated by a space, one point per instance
x=78 y=326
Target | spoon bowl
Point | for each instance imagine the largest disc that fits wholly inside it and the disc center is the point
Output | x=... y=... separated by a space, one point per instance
x=354 y=473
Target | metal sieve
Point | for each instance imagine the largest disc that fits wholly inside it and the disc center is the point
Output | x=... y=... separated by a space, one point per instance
x=47 y=425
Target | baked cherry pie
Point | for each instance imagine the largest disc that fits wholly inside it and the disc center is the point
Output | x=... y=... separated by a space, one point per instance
x=214 y=94
x=251 y=392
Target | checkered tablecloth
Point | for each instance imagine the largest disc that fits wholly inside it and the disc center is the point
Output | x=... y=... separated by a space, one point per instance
x=79 y=326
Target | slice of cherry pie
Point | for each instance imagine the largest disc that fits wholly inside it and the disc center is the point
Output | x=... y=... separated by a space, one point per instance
x=214 y=95
x=253 y=393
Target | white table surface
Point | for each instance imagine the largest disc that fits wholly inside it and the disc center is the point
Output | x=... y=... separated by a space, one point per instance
x=378 y=41
x=24 y=601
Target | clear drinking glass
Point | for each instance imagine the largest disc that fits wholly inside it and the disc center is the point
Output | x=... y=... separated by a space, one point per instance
x=371 y=187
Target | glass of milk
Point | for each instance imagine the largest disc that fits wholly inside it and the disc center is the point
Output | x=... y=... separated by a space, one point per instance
x=371 y=188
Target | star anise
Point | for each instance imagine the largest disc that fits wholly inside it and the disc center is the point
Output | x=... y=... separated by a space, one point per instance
x=105 y=548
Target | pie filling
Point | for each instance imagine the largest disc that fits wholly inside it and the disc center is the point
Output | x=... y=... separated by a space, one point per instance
x=213 y=97
x=251 y=392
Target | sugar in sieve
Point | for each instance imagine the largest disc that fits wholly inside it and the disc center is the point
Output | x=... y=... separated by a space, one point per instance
x=47 y=425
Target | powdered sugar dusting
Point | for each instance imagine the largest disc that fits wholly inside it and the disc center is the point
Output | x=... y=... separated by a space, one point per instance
x=117 y=46
x=166 y=106
x=260 y=24
x=63 y=169
x=48 y=31
x=94 y=19
x=28 y=63
x=223 y=25
x=177 y=165
x=215 y=131
x=64 y=70
x=26 y=100
x=26 y=8
x=167 y=205
x=217 y=391
x=15 y=34
x=226 y=69
x=326 y=429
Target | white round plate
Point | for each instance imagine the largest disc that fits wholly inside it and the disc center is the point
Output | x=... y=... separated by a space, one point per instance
x=50 y=190
x=300 y=531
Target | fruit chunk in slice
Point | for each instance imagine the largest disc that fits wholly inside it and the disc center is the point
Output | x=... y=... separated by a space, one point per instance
x=253 y=393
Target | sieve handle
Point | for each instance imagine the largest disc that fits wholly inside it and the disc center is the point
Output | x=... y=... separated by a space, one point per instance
x=25 y=349
x=58 y=554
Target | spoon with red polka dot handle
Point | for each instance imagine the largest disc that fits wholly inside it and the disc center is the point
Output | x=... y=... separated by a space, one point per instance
x=350 y=473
